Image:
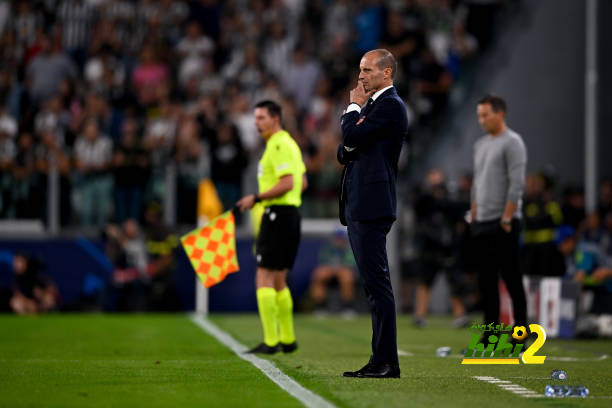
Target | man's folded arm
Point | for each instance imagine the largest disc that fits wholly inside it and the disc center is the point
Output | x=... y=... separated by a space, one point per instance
x=356 y=134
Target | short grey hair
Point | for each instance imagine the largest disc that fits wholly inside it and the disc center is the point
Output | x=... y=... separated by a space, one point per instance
x=385 y=60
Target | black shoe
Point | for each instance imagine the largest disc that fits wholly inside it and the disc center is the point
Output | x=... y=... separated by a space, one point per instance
x=263 y=348
x=375 y=370
x=289 y=348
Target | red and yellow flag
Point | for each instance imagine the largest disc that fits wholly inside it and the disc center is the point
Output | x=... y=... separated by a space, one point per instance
x=212 y=249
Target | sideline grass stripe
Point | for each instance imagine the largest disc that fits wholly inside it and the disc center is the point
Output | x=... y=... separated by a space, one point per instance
x=509 y=386
x=305 y=396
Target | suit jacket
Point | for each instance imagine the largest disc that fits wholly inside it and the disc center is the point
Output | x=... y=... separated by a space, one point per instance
x=370 y=149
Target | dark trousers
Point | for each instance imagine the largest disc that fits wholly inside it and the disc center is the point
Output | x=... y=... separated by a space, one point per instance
x=128 y=202
x=497 y=253
x=368 y=241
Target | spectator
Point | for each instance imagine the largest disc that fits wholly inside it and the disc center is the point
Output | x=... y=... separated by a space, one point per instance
x=148 y=76
x=195 y=51
x=336 y=264
x=241 y=115
x=542 y=216
x=592 y=230
x=432 y=84
x=437 y=229
x=46 y=71
x=572 y=206
x=401 y=42
x=12 y=91
x=125 y=249
x=562 y=260
x=75 y=17
x=368 y=23
x=277 y=48
x=605 y=197
x=131 y=167
x=159 y=141
x=193 y=164
x=207 y=13
x=32 y=291
x=160 y=244
x=105 y=73
x=246 y=67
x=93 y=154
x=594 y=271
x=25 y=23
x=338 y=21
x=52 y=117
x=52 y=154
x=24 y=186
x=228 y=161
x=8 y=150
x=301 y=77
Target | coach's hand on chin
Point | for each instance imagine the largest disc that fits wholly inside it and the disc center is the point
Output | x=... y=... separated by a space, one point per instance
x=359 y=95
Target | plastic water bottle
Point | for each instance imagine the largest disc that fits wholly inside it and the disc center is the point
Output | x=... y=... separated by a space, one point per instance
x=443 y=351
x=566 y=391
x=558 y=375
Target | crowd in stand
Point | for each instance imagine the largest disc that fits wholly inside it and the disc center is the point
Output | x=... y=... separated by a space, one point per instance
x=109 y=93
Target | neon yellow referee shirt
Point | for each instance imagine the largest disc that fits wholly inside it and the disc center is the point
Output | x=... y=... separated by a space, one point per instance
x=281 y=157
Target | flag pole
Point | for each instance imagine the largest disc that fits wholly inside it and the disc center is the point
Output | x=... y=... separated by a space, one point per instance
x=201 y=303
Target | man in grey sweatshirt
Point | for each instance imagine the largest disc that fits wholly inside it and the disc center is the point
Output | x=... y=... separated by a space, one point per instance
x=500 y=159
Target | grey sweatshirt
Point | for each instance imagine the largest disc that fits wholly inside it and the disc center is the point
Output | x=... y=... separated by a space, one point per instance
x=499 y=174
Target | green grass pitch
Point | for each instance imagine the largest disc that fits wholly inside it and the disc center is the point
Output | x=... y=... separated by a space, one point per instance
x=167 y=361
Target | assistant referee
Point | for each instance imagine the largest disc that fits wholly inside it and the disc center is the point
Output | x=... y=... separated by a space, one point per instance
x=281 y=177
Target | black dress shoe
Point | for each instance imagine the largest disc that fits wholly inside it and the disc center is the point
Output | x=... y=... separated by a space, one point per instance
x=375 y=370
x=289 y=348
x=263 y=348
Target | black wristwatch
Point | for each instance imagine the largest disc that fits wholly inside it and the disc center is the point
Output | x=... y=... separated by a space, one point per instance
x=506 y=222
x=256 y=199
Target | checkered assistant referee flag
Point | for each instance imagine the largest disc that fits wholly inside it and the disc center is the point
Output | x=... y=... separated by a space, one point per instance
x=212 y=249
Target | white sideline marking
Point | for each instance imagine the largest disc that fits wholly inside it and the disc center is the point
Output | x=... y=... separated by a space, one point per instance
x=600 y=358
x=305 y=396
x=509 y=386
x=404 y=353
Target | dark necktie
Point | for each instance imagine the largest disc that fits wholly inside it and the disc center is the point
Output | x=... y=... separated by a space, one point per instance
x=367 y=105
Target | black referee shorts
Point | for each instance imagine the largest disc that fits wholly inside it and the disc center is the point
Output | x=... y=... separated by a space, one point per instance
x=279 y=237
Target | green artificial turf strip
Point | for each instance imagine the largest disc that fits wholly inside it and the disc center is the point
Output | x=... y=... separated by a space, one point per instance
x=332 y=345
x=110 y=360
x=124 y=361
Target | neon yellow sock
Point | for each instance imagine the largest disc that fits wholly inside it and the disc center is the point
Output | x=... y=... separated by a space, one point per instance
x=285 y=316
x=268 y=312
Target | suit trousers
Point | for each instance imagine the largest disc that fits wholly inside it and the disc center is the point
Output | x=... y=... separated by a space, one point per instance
x=368 y=241
x=497 y=253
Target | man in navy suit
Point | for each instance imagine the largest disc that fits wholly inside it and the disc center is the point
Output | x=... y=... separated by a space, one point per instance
x=374 y=126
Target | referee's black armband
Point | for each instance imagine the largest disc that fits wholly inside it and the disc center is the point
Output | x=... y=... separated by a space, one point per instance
x=257 y=199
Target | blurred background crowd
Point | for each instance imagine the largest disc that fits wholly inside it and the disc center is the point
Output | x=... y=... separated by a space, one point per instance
x=113 y=92
x=129 y=101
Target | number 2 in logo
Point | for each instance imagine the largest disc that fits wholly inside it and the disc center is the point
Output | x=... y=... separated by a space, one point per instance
x=528 y=355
